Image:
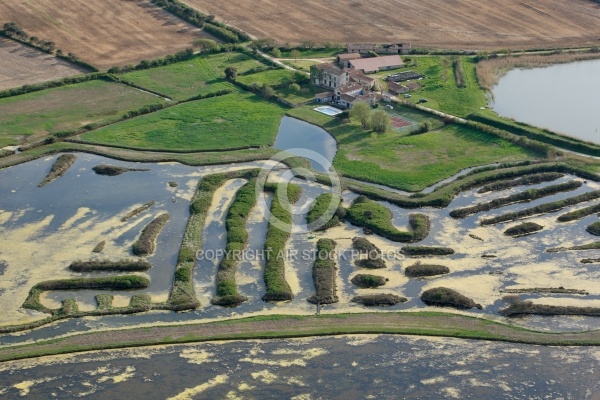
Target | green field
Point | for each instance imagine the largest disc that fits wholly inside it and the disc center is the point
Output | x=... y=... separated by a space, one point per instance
x=218 y=123
x=315 y=53
x=411 y=162
x=439 y=85
x=38 y=114
x=274 y=77
x=197 y=76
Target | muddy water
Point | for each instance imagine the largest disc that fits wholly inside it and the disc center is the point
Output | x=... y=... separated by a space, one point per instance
x=343 y=367
x=57 y=218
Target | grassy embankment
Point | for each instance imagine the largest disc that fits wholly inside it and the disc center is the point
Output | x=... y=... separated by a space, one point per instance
x=233 y=121
x=107 y=265
x=237 y=237
x=320 y=207
x=146 y=243
x=278 y=288
x=522 y=197
x=410 y=162
x=532 y=179
x=371 y=215
x=324 y=273
x=30 y=117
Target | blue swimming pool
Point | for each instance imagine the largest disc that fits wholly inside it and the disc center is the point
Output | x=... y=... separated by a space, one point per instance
x=328 y=110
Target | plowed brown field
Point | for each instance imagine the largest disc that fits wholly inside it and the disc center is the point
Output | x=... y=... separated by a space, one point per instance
x=468 y=24
x=103 y=33
x=21 y=65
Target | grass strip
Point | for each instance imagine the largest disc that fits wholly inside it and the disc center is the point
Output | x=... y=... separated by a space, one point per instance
x=531 y=179
x=60 y=166
x=587 y=246
x=278 y=288
x=146 y=243
x=523 y=197
x=526 y=228
x=377 y=218
x=559 y=290
x=182 y=296
x=237 y=237
x=379 y=300
x=324 y=273
x=578 y=214
x=542 y=208
x=320 y=207
x=106 y=265
x=426 y=251
x=137 y=211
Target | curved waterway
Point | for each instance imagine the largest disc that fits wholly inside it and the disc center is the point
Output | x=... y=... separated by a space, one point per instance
x=563 y=98
x=342 y=367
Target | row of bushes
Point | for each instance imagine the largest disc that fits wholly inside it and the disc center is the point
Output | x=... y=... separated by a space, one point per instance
x=523 y=197
x=525 y=228
x=237 y=236
x=146 y=243
x=426 y=251
x=321 y=206
x=182 y=295
x=419 y=270
x=371 y=215
x=206 y=22
x=106 y=265
x=137 y=211
x=379 y=300
x=531 y=179
x=58 y=169
x=542 y=208
x=277 y=287
x=445 y=297
x=52 y=84
x=169 y=59
x=578 y=214
x=459 y=73
x=544 y=135
x=324 y=273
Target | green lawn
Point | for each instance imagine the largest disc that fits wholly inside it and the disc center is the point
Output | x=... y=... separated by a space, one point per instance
x=273 y=77
x=38 y=114
x=218 y=123
x=439 y=87
x=199 y=75
x=411 y=162
x=302 y=65
x=306 y=94
x=315 y=53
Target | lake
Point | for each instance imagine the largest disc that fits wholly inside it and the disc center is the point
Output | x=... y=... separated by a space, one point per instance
x=563 y=98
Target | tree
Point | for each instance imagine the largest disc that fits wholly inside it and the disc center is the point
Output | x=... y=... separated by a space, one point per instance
x=231 y=73
x=276 y=53
x=380 y=121
x=205 y=45
x=267 y=91
x=360 y=112
x=294 y=87
x=295 y=54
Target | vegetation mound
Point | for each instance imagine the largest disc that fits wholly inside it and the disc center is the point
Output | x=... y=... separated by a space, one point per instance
x=521 y=307
x=99 y=247
x=378 y=300
x=426 y=251
x=542 y=208
x=525 y=228
x=421 y=270
x=594 y=228
x=106 y=265
x=237 y=237
x=146 y=243
x=373 y=253
x=137 y=211
x=526 y=180
x=587 y=246
x=324 y=273
x=444 y=297
x=60 y=166
x=590 y=260
x=369 y=214
x=526 y=196
x=320 y=207
x=578 y=214
x=112 y=170
x=368 y=281
x=558 y=290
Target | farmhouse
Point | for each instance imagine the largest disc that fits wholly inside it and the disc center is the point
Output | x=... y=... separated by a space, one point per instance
x=328 y=75
x=364 y=48
x=376 y=64
x=325 y=97
x=397 y=88
x=344 y=59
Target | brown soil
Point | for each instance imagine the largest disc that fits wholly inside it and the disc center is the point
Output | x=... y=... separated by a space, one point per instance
x=471 y=24
x=23 y=65
x=104 y=33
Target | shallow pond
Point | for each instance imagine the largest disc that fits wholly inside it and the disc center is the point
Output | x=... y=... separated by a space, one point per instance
x=342 y=367
x=563 y=98
x=295 y=135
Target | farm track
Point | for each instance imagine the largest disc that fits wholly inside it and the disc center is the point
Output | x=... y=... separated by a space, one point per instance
x=469 y=24
x=104 y=33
